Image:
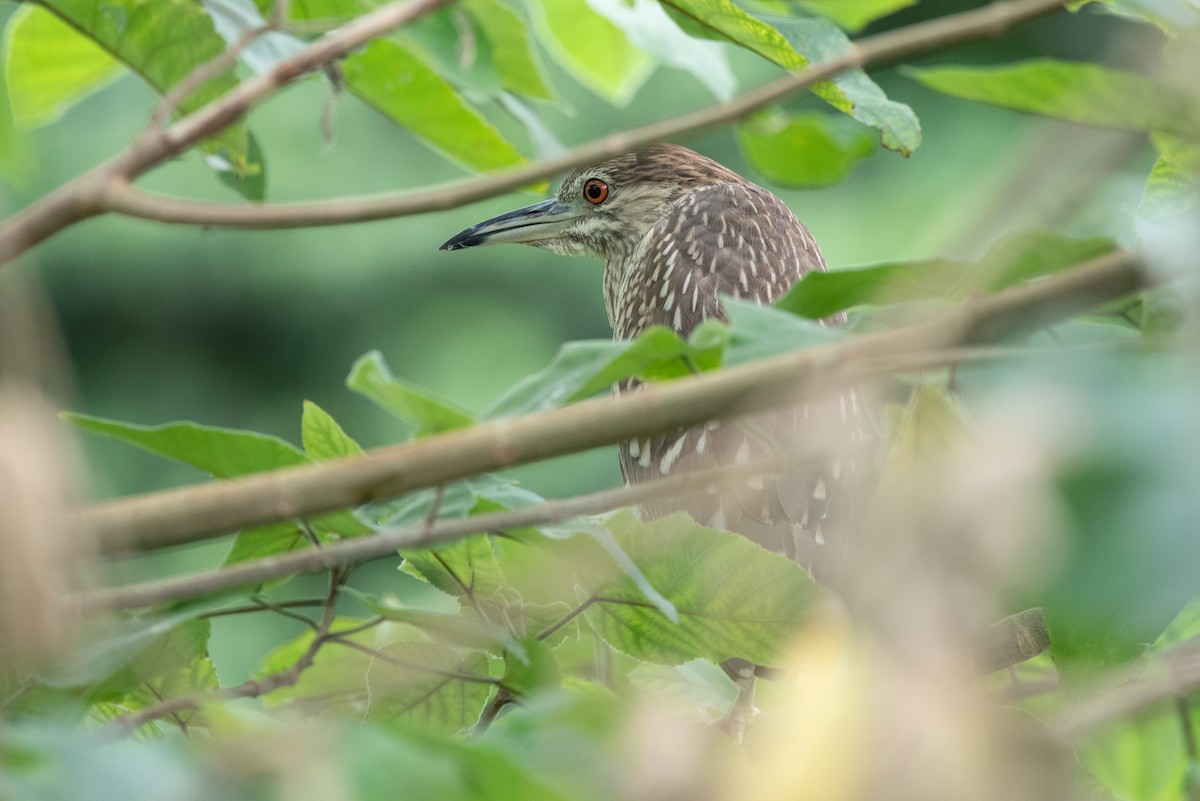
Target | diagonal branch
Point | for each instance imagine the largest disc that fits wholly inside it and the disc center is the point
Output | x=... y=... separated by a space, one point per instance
x=106 y=188
x=386 y=543
x=917 y=39
x=84 y=196
x=188 y=514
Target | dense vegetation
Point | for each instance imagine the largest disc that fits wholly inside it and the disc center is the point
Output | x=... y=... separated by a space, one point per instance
x=409 y=616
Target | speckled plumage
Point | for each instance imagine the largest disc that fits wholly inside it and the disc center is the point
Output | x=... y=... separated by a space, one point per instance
x=678 y=230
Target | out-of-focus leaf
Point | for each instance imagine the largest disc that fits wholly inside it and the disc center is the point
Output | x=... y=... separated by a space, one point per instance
x=1170 y=16
x=199 y=675
x=396 y=82
x=234 y=18
x=733 y=597
x=514 y=57
x=802 y=150
x=49 y=66
x=759 y=332
x=1141 y=757
x=1129 y=496
x=429 y=414
x=117 y=656
x=853 y=92
x=853 y=15
x=574 y=34
x=1174 y=181
x=532 y=670
x=223 y=452
x=245 y=174
x=322 y=437
x=651 y=29
x=582 y=369
x=163 y=41
x=427 y=684
x=407 y=762
x=1013 y=260
x=1079 y=92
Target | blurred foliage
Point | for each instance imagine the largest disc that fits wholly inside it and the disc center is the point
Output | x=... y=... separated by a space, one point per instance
x=579 y=660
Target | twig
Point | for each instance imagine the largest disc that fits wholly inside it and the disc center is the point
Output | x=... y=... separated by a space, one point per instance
x=388 y=542
x=252 y=688
x=1146 y=682
x=201 y=75
x=1013 y=640
x=258 y=607
x=85 y=196
x=178 y=516
x=991 y=20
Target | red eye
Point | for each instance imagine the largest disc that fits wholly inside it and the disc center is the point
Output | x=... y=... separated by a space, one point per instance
x=595 y=191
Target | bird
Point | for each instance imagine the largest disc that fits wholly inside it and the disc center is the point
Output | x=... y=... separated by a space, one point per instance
x=678 y=231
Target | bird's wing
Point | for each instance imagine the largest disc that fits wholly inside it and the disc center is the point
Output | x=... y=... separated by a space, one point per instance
x=729 y=239
x=740 y=240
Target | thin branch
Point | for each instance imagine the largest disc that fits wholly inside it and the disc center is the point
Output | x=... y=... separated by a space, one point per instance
x=248 y=608
x=920 y=38
x=404 y=663
x=387 y=542
x=84 y=196
x=1131 y=689
x=1013 y=640
x=252 y=688
x=188 y=514
x=201 y=75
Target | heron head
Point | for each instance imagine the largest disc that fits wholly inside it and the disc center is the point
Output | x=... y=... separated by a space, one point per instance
x=603 y=209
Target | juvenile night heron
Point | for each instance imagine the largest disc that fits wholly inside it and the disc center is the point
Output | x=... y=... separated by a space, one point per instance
x=679 y=230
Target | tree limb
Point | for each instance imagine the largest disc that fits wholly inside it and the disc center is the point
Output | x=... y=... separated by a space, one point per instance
x=188 y=514
x=106 y=188
x=85 y=196
x=422 y=534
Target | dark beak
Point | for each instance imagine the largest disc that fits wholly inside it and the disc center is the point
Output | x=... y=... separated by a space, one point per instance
x=545 y=220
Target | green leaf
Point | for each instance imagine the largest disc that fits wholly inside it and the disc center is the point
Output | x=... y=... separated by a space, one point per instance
x=513 y=54
x=198 y=675
x=323 y=438
x=226 y=453
x=802 y=150
x=1174 y=181
x=1141 y=757
x=427 y=684
x=730 y=22
x=163 y=41
x=394 y=81
x=853 y=92
x=223 y=452
x=404 y=763
x=759 y=332
x=733 y=597
x=50 y=67
x=652 y=30
x=582 y=369
x=244 y=173
x=116 y=657
x=1017 y=258
x=532 y=670
x=1076 y=91
x=429 y=414
x=1131 y=557
x=564 y=24
x=853 y=15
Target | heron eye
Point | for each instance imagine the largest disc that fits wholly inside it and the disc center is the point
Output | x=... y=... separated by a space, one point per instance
x=595 y=191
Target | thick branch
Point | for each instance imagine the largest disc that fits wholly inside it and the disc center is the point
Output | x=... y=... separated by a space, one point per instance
x=991 y=20
x=85 y=196
x=1013 y=640
x=191 y=513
